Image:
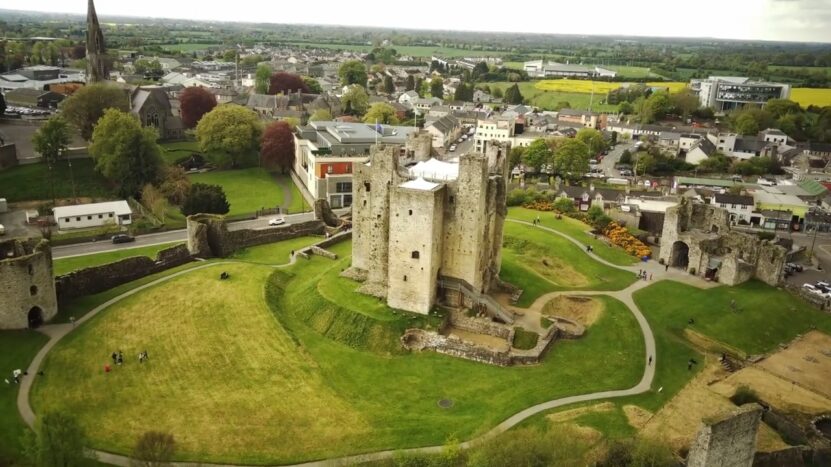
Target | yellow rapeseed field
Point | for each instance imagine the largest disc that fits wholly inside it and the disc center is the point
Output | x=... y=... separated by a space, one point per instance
x=811 y=96
x=599 y=87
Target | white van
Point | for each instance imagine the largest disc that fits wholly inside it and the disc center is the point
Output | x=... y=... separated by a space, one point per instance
x=2 y=229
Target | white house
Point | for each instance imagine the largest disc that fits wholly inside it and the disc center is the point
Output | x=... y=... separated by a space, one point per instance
x=700 y=151
x=407 y=98
x=83 y=216
x=444 y=130
x=738 y=206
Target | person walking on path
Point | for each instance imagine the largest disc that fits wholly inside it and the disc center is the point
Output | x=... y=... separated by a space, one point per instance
x=650 y=360
x=666 y=267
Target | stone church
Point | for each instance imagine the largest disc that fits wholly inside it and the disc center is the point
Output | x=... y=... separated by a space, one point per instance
x=421 y=225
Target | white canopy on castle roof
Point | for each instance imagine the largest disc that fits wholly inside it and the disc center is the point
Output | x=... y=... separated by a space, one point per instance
x=420 y=184
x=434 y=169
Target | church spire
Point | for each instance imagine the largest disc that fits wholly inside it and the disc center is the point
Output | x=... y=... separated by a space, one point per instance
x=96 y=68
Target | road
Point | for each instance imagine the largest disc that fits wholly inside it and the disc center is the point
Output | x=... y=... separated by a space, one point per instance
x=608 y=163
x=81 y=249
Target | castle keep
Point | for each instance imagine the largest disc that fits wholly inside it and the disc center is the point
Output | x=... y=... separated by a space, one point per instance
x=28 y=297
x=421 y=225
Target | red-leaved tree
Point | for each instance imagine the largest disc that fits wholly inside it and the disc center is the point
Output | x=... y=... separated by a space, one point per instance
x=194 y=103
x=277 y=146
x=285 y=83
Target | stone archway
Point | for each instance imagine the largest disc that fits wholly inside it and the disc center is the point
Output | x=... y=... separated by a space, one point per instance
x=35 y=317
x=680 y=255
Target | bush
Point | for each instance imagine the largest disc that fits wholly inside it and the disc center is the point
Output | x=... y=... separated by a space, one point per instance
x=564 y=205
x=744 y=395
x=205 y=199
x=517 y=197
x=766 y=235
x=638 y=453
x=153 y=449
x=621 y=237
x=625 y=157
x=530 y=447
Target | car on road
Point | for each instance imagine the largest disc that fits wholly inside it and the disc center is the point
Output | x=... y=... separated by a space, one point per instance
x=2 y=229
x=280 y=220
x=452 y=147
x=793 y=267
x=123 y=238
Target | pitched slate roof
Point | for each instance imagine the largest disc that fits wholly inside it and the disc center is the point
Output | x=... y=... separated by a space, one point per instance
x=727 y=198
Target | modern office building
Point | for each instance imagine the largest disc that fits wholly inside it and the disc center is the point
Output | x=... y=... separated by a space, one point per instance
x=726 y=93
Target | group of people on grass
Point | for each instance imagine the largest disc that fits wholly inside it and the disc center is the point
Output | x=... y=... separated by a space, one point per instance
x=118 y=359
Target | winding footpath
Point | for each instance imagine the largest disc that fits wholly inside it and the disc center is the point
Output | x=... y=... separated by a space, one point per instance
x=56 y=332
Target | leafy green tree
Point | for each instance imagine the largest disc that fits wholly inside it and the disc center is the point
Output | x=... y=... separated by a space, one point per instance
x=126 y=153
x=625 y=108
x=262 y=79
x=750 y=121
x=154 y=449
x=717 y=163
x=593 y=139
x=51 y=139
x=353 y=72
x=480 y=69
x=654 y=107
x=381 y=112
x=497 y=92
x=321 y=115
x=354 y=101
x=205 y=199
x=144 y=66
x=513 y=96
x=684 y=103
x=419 y=87
x=780 y=107
x=625 y=157
x=537 y=154
x=571 y=159
x=229 y=129
x=59 y=441
x=389 y=84
x=88 y=104
x=464 y=92
x=312 y=85
x=437 y=87
x=410 y=83
x=564 y=204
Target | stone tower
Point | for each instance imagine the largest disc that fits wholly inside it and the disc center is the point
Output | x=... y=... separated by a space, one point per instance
x=96 y=68
x=27 y=295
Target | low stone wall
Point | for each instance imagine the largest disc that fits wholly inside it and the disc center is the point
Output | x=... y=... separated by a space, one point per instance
x=97 y=279
x=535 y=355
x=459 y=320
x=419 y=339
x=208 y=235
x=316 y=250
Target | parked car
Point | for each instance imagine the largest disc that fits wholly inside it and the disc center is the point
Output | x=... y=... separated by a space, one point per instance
x=123 y=238
x=794 y=267
x=811 y=289
x=279 y=220
x=452 y=147
x=822 y=284
x=2 y=229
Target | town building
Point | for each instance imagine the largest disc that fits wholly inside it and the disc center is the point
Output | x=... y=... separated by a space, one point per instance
x=726 y=93
x=38 y=77
x=326 y=151
x=151 y=104
x=740 y=207
x=444 y=131
x=492 y=130
x=431 y=229
x=29 y=97
x=581 y=118
x=541 y=69
x=82 y=216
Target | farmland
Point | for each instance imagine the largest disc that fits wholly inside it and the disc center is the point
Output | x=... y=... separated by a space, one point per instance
x=418 y=51
x=584 y=86
x=549 y=100
x=189 y=47
x=629 y=72
x=811 y=96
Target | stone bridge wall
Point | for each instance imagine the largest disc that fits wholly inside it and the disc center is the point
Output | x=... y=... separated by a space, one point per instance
x=97 y=279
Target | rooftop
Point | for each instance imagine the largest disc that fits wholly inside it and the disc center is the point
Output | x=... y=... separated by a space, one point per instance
x=420 y=184
x=117 y=207
x=435 y=169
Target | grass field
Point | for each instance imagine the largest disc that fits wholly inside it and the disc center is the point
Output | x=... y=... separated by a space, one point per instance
x=32 y=182
x=17 y=348
x=576 y=230
x=598 y=87
x=65 y=265
x=177 y=150
x=190 y=46
x=548 y=100
x=248 y=190
x=413 y=51
x=274 y=253
x=811 y=96
x=540 y=262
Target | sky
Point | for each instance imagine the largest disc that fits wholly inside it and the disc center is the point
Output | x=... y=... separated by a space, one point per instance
x=781 y=20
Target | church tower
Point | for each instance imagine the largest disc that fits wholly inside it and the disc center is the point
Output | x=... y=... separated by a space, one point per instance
x=96 y=68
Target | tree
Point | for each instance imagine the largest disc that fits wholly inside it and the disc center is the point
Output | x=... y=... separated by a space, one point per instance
x=286 y=83
x=562 y=105
x=87 y=105
x=512 y=95
x=205 y=199
x=464 y=92
x=321 y=115
x=144 y=66
x=684 y=103
x=654 y=107
x=516 y=156
x=419 y=87
x=593 y=139
x=437 y=87
x=564 y=204
x=497 y=92
x=194 y=103
x=154 y=449
x=625 y=157
x=410 y=83
x=389 y=84
x=229 y=129
x=571 y=159
x=353 y=72
x=51 y=139
x=59 y=441
x=312 y=85
x=479 y=69
x=781 y=107
x=537 y=154
x=625 y=108
x=175 y=184
x=154 y=200
x=381 y=112
x=277 y=146
x=125 y=153
x=354 y=101
x=262 y=78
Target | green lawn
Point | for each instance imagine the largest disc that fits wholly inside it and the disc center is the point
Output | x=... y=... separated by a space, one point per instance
x=528 y=249
x=66 y=265
x=248 y=190
x=320 y=380
x=274 y=253
x=171 y=152
x=32 y=182
x=766 y=316
x=547 y=100
x=577 y=230
x=17 y=349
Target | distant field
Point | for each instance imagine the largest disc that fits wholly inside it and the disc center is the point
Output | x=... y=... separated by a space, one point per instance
x=548 y=100
x=811 y=96
x=189 y=47
x=825 y=69
x=415 y=50
x=603 y=87
x=632 y=72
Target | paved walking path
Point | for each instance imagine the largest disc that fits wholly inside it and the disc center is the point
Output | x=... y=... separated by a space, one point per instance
x=58 y=331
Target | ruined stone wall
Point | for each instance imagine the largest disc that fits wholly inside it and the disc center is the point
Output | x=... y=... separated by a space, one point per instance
x=771 y=262
x=729 y=441
x=97 y=279
x=419 y=146
x=208 y=235
x=415 y=248
x=25 y=282
x=458 y=319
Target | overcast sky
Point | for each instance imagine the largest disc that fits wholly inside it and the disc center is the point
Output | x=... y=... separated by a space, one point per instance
x=791 y=20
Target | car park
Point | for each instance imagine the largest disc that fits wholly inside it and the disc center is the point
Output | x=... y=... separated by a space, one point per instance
x=123 y=238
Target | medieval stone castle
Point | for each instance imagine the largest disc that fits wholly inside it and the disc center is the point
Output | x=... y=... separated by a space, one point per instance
x=28 y=295
x=421 y=225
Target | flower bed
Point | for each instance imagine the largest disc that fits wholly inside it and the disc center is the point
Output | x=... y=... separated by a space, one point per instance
x=621 y=237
